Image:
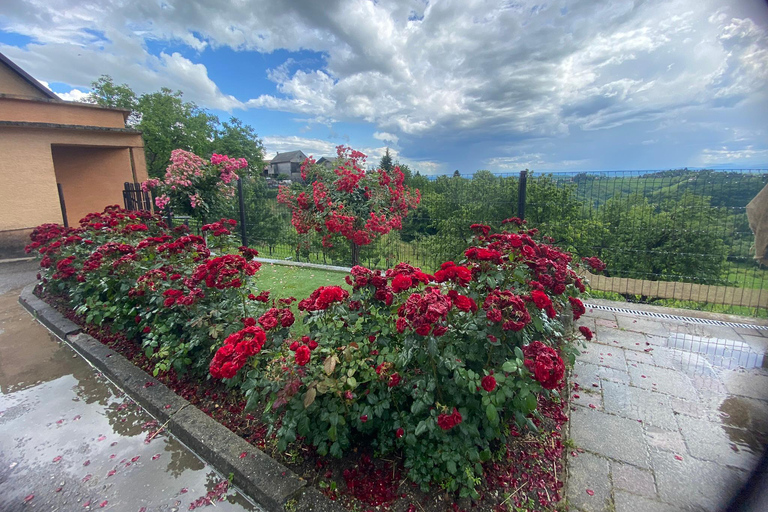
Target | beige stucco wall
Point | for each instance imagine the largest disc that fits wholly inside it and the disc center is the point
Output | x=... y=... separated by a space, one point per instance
x=12 y=83
x=91 y=178
x=55 y=112
x=28 y=194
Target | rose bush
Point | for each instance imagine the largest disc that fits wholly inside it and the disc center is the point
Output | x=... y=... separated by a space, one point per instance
x=348 y=202
x=435 y=366
x=192 y=185
x=159 y=286
x=441 y=367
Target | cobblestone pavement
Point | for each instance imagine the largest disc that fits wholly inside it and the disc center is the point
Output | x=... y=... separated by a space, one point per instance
x=667 y=415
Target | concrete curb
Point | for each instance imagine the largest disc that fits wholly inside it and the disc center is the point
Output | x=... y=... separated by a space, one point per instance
x=318 y=266
x=274 y=487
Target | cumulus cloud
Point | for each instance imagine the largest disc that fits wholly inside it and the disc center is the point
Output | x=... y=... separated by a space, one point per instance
x=73 y=95
x=457 y=71
x=386 y=137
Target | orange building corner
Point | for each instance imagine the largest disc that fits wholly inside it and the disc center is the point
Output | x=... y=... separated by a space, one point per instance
x=59 y=160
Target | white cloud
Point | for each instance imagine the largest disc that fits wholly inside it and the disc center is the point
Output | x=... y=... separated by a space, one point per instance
x=73 y=95
x=454 y=70
x=386 y=137
x=736 y=156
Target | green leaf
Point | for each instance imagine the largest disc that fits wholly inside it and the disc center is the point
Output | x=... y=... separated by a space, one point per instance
x=252 y=402
x=485 y=455
x=492 y=414
x=509 y=366
x=519 y=353
x=421 y=427
x=451 y=466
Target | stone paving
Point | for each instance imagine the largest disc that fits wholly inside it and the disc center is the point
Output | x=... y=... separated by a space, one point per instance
x=666 y=415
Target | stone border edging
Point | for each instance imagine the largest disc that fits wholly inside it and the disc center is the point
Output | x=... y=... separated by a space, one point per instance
x=301 y=264
x=262 y=478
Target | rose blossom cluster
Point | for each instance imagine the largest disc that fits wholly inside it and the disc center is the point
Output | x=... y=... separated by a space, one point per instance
x=225 y=271
x=237 y=348
x=322 y=298
x=349 y=202
x=191 y=182
x=544 y=363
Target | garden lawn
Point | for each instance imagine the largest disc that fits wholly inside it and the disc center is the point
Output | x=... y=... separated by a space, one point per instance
x=289 y=281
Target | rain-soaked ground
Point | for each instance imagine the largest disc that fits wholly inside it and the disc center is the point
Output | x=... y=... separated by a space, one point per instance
x=70 y=440
x=668 y=414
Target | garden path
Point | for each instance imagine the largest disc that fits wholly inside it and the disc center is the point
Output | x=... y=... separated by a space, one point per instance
x=667 y=414
x=69 y=439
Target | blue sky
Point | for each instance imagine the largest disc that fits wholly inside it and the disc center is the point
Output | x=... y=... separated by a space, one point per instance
x=447 y=84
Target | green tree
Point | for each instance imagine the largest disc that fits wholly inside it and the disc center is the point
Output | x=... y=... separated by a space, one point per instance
x=239 y=140
x=106 y=93
x=386 y=162
x=671 y=241
x=168 y=123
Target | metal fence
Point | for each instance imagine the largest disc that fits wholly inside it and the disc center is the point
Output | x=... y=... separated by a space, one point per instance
x=677 y=237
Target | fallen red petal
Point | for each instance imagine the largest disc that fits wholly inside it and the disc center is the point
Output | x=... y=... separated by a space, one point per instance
x=678 y=457
x=590 y=492
x=57 y=458
x=29 y=498
x=242 y=455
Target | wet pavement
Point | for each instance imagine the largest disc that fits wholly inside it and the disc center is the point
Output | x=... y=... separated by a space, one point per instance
x=667 y=415
x=70 y=440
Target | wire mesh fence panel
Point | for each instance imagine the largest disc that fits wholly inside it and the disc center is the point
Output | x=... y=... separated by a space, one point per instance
x=668 y=237
x=688 y=229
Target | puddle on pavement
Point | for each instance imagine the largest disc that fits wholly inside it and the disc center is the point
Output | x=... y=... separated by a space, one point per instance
x=721 y=353
x=69 y=437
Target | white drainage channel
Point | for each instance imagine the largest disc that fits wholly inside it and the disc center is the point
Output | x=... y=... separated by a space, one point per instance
x=689 y=319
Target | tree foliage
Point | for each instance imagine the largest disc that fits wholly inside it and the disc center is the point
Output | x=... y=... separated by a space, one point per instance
x=167 y=122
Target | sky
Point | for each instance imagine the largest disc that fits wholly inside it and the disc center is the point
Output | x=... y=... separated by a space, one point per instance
x=445 y=84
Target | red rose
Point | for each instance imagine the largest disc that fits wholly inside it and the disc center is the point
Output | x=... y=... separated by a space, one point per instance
x=488 y=383
x=399 y=433
x=302 y=355
x=577 y=307
x=364 y=418
x=586 y=332
x=423 y=330
x=544 y=363
x=541 y=299
x=401 y=283
x=147 y=330
x=448 y=421
x=394 y=380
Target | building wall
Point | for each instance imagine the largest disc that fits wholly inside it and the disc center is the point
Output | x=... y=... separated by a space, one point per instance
x=55 y=112
x=28 y=195
x=12 y=83
x=90 y=177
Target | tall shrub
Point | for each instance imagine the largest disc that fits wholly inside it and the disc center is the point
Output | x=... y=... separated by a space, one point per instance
x=349 y=202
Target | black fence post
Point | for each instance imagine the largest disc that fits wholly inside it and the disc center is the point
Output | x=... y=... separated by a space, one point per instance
x=521 y=191
x=62 y=204
x=243 y=236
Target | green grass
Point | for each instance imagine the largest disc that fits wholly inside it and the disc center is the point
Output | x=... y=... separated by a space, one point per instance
x=288 y=281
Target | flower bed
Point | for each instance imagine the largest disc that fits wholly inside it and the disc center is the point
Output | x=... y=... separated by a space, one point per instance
x=441 y=375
